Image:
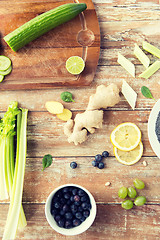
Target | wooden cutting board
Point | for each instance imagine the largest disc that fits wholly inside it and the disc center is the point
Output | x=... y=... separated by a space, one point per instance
x=41 y=63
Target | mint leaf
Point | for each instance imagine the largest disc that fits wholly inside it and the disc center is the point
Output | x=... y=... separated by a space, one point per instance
x=46 y=161
x=146 y=92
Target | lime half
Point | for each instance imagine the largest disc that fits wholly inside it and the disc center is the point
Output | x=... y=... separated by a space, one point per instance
x=75 y=65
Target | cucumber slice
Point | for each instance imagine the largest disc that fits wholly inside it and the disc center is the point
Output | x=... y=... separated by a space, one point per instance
x=1 y=78
x=6 y=72
x=150 y=70
x=5 y=63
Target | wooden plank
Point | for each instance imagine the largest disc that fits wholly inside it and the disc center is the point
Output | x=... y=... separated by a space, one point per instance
x=41 y=64
x=112 y=222
x=45 y=134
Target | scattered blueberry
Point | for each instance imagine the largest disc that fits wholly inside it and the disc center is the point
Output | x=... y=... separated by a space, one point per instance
x=98 y=158
x=73 y=165
x=105 y=154
x=94 y=163
x=101 y=165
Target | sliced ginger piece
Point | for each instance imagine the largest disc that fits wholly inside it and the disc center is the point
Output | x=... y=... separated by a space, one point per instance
x=54 y=107
x=65 y=115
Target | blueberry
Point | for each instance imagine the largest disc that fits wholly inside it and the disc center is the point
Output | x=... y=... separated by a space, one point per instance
x=85 y=205
x=80 y=209
x=81 y=193
x=68 y=215
x=74 y=208
x=83 y=219
x=105 y=154
x=69 y=202
x=98 y=158
x=61 y=223
x=62 y=200
x=57 y=218
x=74 y=191
x=65 y=208
x=67 y=196
x=57 y=205
x=84 y=198
x=78 y=215
x=61 y=212
x=59 y=194
x=68 y=224
x=76 y=198
x=72 y=198
x=86 y=213
x=76 y=222
x=73 y=165
x=94 y=163
x=101 y=165
x=65 y=189
x=54 y=211
x=77 y=203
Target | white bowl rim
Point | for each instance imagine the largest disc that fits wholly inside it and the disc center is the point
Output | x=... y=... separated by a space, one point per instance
x=76 y=230
x=152 y=128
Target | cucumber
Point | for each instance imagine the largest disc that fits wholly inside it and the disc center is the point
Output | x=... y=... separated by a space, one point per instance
x=42 y=24
x=1 y=78
x=6 y=72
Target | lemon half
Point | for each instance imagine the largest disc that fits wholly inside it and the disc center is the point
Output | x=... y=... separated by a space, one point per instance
x=126 y=136
x=130 y=157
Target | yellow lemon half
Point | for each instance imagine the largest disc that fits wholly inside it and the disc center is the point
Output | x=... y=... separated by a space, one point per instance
x=126 y=136
x=130 y=157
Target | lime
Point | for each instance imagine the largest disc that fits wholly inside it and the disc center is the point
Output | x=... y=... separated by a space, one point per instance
x=75 y=65
x=1 y=77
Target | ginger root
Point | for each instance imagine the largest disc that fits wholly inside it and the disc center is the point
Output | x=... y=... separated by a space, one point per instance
x=77 y=130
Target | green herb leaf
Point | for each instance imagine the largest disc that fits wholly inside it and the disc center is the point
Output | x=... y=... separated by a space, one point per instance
x=67 y=97
x=46 y=161
x=146 y=92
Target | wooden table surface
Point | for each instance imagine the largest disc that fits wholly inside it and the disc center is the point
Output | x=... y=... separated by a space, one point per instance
x=122 y=23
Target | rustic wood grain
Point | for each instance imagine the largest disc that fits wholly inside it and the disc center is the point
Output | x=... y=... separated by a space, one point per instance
x=41 y=64
x=112 y=222
x=122 y=23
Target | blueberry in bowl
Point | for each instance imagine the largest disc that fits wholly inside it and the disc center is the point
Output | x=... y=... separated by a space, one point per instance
x=70 y=209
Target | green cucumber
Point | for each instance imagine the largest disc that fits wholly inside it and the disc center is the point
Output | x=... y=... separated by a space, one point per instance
x=5 y=63
x=42 y=24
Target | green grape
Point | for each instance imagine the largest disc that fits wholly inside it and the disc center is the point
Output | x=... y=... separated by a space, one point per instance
x=131 y=192
x=122 y=193
x=140 y=200
x=138 y=183
x=127 y=204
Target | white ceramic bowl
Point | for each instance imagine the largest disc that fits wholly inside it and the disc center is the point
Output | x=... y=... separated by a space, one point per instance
x=152 y=128
x=76 y=230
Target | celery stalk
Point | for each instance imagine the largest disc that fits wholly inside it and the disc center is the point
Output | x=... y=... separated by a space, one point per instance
x=126 y=64
x=150 y=70
x=3 y=188
x=151 y=49
x=142 y=57
x=17 y=189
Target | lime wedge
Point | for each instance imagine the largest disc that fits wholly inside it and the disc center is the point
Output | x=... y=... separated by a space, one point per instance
x=6 y=72
x=1 y=78
x=5 y=63
x=75 y=65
